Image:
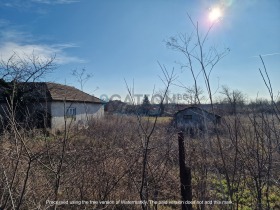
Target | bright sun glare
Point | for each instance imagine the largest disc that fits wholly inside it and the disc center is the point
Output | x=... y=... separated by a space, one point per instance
x=215 y=14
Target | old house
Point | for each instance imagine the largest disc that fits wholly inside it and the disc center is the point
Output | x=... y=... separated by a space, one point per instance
x=44 y=104
x=195 y=118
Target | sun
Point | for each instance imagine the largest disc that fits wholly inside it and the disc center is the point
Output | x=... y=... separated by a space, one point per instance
x=215 y=14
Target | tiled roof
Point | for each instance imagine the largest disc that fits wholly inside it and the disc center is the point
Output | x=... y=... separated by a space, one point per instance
x=52 y=92
x=60 y=92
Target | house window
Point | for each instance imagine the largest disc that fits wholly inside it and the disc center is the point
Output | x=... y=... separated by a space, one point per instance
x=71 y=112
x=188 y=117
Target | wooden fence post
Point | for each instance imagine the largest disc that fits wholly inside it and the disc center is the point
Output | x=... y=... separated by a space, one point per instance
x=185 y=175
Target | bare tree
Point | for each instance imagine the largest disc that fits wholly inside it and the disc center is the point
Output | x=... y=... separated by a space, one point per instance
x=267 y=82
x=246 y=144
x=194 y=95
x=27 y=68
x=81 y=76
x=200 y=61
x=15 y=71
x=235 y=99
x=147 y=129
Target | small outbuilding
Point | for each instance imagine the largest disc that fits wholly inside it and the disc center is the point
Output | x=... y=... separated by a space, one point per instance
x=193 y=118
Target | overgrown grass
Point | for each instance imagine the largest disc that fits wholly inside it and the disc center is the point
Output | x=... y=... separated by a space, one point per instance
x=104 y=162
x=164 y=120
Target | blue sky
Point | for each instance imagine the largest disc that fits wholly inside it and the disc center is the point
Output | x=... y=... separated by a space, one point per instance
x=117 y=39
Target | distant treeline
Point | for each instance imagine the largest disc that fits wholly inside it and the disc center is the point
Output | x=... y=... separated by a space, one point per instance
x=221 y=108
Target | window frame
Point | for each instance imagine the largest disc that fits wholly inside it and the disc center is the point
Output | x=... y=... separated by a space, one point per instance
x=71 y=112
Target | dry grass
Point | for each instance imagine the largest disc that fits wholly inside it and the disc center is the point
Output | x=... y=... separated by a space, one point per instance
x=163 y=120
x=104 y=162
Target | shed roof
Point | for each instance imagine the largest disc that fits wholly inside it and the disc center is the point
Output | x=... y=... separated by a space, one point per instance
x=196 y=107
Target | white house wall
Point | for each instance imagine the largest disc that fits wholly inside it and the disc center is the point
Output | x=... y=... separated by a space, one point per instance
x=84 y=112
